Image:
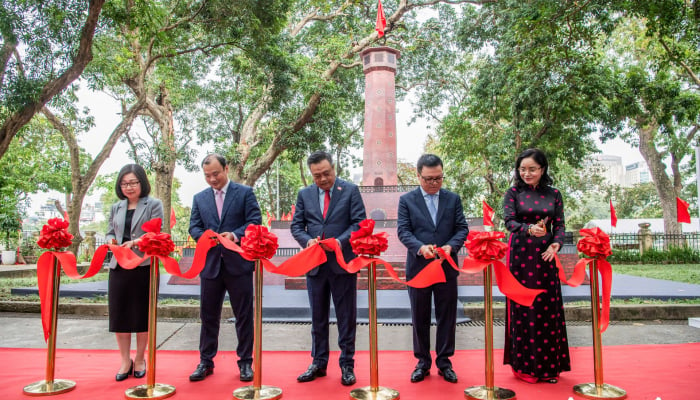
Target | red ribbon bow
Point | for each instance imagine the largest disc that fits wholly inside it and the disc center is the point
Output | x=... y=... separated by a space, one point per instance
x=595 y=243
x=54 y=237
x=154 y=242
x=486 y=248
x=259 y=243
x=363 y=242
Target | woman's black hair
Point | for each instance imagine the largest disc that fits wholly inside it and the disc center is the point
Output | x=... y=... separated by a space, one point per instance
x=540 y=159
x=140 y=175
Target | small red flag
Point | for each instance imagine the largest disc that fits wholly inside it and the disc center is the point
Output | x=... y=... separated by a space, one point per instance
x=381 y=20
x=173 y=220
x=613 y=215
x=65 y=215
x=488 y=213
x=682 y=210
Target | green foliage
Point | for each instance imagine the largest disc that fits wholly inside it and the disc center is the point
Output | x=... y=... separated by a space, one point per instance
x=47 y=33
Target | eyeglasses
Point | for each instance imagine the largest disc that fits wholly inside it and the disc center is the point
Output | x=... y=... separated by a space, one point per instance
x=129 y=184
x=531 y=170
x=436 y=179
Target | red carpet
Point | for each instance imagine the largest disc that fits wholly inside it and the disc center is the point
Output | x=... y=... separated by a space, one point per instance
x=647 y=372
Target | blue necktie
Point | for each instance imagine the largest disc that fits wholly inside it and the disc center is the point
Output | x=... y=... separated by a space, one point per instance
x=431 y=208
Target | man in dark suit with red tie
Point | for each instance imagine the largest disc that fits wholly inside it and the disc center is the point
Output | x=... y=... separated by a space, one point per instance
x=226 y=208
x=431 y=217
x=329 y=208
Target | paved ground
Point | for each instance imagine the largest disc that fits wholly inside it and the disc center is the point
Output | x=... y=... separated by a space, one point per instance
x=24 y=330
x=286 y=319
x=282 y=305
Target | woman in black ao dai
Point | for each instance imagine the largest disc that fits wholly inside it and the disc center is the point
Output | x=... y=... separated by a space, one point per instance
x=536 y=345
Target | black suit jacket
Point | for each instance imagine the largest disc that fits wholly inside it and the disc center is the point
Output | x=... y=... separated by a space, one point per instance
x=240 y=210
x=345 y=212
x=416 y=228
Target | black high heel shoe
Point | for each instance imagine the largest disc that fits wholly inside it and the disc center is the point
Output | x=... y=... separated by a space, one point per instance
x=142 y=373
x=120 y=377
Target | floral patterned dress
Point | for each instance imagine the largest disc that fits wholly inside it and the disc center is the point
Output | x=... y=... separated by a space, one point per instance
x=536 y=345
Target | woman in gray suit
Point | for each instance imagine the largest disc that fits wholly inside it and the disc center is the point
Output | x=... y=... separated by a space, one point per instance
x=128 y=288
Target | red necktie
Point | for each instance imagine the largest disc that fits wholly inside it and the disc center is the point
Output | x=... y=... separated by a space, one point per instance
x=326 y=202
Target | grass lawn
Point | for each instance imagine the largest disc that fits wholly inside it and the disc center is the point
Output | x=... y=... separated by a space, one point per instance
x=687 y=273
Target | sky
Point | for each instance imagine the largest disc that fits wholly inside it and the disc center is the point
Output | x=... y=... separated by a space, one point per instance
x=106 y=113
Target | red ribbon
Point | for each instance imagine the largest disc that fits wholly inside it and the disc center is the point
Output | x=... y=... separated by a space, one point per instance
x=259 y=247
x=486 y=248
x=364 y=243
x=54 y=236
x=153 y=243
x=595 y=243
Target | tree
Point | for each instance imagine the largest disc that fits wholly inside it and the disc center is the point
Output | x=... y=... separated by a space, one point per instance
x=57 y=53
x=514 y=75
x=657 y=98
x=156 y=54
x=253 y=113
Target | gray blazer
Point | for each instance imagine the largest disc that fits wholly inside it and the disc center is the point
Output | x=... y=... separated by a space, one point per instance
x=147 y=209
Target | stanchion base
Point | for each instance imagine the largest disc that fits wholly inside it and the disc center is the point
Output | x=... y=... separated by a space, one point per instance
x=604 y=391
x=157 y=391
x=43 y=388
x=265 y=392
x=485 y=393
x=366 y=393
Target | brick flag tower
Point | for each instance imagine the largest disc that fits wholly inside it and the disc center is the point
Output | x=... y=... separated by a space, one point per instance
x=380 y=189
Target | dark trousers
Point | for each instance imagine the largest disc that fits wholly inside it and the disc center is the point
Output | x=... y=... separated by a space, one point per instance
x=240 y=292
x=343 y=289
x=445 y=297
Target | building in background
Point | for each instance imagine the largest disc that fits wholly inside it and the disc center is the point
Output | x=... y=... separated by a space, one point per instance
x=610 y=168
x=636 y=173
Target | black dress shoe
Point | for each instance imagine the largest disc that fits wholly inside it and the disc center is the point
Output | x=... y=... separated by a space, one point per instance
x=246 y=373
x=312 y=373
x=419 y=374
x=348 y=376
x=201 y=372
x=449 y=374
x=142 y=373
x=120 y=377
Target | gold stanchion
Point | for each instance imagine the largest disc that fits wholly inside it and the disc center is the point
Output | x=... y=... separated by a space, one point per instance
x=258 y=391
x=373 y=391
x=597 y=390
x=151 y=390
x=488 y=392
x=51 y=386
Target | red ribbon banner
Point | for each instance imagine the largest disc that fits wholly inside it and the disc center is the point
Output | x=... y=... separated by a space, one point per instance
x=54 y=236
x=595 y=243
x=486 y=248
x=153 y=243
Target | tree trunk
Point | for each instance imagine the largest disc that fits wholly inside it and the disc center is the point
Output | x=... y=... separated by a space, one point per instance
x=165 y=153
x=665 y=188
x=81 y=183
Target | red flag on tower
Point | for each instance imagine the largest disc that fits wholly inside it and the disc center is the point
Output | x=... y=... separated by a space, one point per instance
x=613 y=215
x=381 y=20
x=682 y=210
x=488 y=213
